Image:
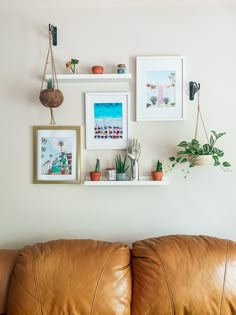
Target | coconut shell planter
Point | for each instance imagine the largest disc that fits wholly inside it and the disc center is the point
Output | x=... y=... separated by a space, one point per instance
x=51 y=98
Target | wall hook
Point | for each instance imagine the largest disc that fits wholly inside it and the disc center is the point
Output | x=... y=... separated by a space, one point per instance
x=53 y=30
x=193 y=88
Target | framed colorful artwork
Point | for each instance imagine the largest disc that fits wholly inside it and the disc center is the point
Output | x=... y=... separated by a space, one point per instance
x=160 y=88
x=107 y=117
x=56 y=154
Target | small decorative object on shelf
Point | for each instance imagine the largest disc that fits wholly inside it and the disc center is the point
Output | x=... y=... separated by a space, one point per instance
x=95 y=176
x=121 y=167
x=50 y=97
x=111 y=173
x=121 y=68
x=97 y=69
x=133 y=152
x=70 y=65
x=158 y=173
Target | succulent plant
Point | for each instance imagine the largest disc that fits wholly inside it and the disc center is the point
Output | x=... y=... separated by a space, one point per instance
x=97 y=166
x=50 y=84
x=159 y=166
x=121 y=166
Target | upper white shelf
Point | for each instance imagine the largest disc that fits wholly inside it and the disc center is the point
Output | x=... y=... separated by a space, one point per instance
x=87 y=76
x=143 y=181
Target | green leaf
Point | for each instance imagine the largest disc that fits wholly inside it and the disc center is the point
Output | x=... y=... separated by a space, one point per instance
x=183 y=160
x=214 y=133
x=178 y=159
x=183 y=144
x=215 y=157
x=219 y=152
x=226 y=164
x=212 y=141
x=221 y=134
x=191 y=165
x=195 y=141
x=172 y=158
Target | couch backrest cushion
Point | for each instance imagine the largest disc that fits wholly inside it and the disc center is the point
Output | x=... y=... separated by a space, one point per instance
x=71 y=277
x=178 y=275
x=7 y=261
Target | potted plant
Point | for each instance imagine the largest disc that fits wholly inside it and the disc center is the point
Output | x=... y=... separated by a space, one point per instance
x=51 y=97
x=158 y=173
x=194 y=153
x=121 y=167
x=96 y=174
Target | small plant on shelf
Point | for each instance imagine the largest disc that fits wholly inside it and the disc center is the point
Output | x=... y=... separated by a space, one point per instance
x=158 y=173
x=121 y=167
x=96 y=174
x=70 y=65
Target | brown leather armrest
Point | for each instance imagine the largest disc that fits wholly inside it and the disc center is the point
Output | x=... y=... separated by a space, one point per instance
x=7 y=261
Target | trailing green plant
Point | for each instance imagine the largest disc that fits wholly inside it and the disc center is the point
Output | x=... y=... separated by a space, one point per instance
x=159 y=166
x=121 y=165
x=194 y=149
x=50 y=84
x=97 y=166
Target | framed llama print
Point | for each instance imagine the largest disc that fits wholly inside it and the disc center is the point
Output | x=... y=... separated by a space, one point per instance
x=159 y=88
x=56 y=154
x=107 y=120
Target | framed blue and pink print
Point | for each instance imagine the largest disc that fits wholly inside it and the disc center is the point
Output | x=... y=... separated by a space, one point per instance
x=107 y=118
x=160 y=88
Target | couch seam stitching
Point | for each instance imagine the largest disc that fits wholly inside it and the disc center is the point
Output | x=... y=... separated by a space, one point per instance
x=225 y=274
x=100 y=279
x=171 y=301
x=36 y=282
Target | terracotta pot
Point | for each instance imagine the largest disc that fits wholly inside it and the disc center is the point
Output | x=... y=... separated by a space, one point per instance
x=95 y=176
x=51 y=97
x=157 y=175
x=97 y=69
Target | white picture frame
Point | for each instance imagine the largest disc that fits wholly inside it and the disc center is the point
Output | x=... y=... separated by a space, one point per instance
x=107 y=120
x=160 y=88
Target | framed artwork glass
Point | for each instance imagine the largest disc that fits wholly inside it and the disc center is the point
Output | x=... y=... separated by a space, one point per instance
x=160 y=88
x=107 y=116
x=56 y=153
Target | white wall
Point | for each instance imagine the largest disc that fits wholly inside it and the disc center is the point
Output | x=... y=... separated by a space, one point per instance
x=110 y=33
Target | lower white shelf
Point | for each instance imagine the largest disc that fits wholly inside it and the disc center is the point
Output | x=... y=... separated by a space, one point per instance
x=143 y=181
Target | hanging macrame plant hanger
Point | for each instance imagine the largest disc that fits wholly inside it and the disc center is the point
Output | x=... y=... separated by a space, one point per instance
x=202 y=159
x=51 y=96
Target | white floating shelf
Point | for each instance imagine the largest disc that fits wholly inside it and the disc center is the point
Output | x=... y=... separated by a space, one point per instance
x=81 y=77
x=143 y=181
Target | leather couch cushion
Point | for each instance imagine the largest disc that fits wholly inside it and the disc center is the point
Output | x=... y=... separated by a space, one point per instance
x=7 y=261
x=181 y=275
x=68 y=277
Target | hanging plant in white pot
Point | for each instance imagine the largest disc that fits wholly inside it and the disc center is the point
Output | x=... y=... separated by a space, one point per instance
x=196 y=154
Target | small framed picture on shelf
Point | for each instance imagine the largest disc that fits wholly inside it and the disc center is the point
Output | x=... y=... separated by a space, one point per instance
x=160 y=88
x=56 y=153
x=107 y=117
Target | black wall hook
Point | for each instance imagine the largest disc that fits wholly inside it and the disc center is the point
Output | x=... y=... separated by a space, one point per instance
x=53 y=30
x=193 y=88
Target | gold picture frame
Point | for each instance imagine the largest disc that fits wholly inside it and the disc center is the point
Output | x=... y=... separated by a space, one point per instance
x=56 y=155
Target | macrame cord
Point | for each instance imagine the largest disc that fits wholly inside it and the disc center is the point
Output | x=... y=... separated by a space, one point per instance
x=54 y=77
x=199 y=114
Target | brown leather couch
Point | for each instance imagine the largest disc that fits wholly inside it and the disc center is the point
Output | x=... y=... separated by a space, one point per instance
x=168 y=275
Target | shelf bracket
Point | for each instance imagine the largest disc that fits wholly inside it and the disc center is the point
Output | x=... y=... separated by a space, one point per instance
x=193 y=88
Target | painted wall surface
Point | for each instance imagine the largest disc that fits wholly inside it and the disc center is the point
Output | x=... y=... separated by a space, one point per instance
x=109 y=33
